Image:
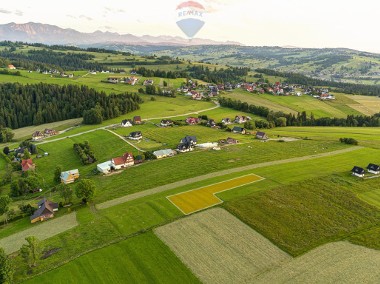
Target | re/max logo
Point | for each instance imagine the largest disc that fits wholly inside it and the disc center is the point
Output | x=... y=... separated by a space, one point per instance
x=190 y=13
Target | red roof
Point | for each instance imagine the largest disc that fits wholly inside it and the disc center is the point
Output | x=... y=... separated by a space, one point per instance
x=126 y=158
x=27 y=165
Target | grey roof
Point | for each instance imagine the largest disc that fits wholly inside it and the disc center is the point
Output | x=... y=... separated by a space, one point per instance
x=163 y=152
x=373 y=167
x=358 y=170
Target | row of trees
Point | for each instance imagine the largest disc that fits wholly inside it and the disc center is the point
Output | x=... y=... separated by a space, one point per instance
x=25 y=105
x=85 y=153
x=301 y=119
x=348 y=88
x=218 y=76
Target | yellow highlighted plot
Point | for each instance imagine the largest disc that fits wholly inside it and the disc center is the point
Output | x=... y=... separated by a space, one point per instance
x=197 y=199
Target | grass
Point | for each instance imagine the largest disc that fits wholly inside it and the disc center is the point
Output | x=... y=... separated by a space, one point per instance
x=42 y=231
x=219 y=248
x=325 y=211
x=366 y=136
x=61 y=153
x=142 y=259
x=339 y=262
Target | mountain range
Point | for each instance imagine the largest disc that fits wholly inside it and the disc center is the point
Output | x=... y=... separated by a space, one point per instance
x=50 y=34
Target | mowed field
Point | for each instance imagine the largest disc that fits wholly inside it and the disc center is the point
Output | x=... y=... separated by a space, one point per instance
x=41 y=231
x=368 y=105
x=339 y=262
x=142 y=259
x=219 y=248
x=198 y=199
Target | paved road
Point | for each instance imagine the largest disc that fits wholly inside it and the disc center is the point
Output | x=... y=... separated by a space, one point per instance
x=177 y=184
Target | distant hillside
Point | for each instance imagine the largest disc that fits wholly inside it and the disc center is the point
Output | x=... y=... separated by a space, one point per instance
x=335 y=64
x=50 y=34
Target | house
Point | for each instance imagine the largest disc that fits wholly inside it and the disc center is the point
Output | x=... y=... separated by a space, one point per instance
x=124 y=161
x=358 y=171
x=166 y=122
x=136 y=135
x=164 y=153
x=230 y=140
x=226 y=121
x=192 y=120
x=238 y=129
x=69 y=176
x=240 y=119
x=104 y=168
x=11 y=67
x=27 y=165
x=148 y=82
x=50 y=132
x=45 y=211
x=37 y=135
x=137 y=120
x=211 y=123
x=126 y=123
x=261 y=135
x=113 y=80
x=189 y=140
x=131 y=80
x=184 y=148
x=19 y=152
x=373 y=169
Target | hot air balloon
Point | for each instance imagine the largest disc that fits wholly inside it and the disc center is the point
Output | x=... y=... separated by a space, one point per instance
x=190 y=17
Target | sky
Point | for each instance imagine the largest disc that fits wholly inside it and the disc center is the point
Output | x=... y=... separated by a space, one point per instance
x=300 y=23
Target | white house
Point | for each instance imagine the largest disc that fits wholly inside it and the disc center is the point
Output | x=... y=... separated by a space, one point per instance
x=104 y=168
x=358 y=171
x=126 y=123
x=373 y=169
x=164 y=153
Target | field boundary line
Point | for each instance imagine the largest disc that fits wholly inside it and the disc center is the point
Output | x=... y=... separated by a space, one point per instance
x=215 y=193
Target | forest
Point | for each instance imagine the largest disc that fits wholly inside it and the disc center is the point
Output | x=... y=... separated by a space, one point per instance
x=34 y=104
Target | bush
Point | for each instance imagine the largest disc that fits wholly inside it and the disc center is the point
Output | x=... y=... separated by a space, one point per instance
x=350 y=141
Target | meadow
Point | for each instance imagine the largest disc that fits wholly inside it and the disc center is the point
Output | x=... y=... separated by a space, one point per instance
x=216 y=245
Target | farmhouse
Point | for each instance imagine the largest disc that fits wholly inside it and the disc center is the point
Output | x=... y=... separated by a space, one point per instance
x=238 y=129
x=261 y=135
x=124 y=161
x=137 y=120
x=131 y=80
x=69 y=176
x=192 y=120
x=240 y=119
x=126 y=123
x=148 y=82
x=184 y=148
x=37 y=135
x=113 y=80
x=373 y=169
x=226 y=121
x=27 y=165
x=358 y=171
x=104 y=168
x=45 y=211
x=166 y=122
x=164 y=153
x=190 y=140
x=211 y=123
x=136 y=135
x=49 y=132
x=230 y=140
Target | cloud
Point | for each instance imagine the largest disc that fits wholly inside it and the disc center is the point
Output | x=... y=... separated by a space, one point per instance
x=5 y=11
x=71 y=16
x=19 y=13
x=85 y=17
x=106 y=28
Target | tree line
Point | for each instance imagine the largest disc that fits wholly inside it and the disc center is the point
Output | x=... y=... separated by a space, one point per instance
x=348 y=88
x=25 y=105
x=301 y=119
x=218 y=76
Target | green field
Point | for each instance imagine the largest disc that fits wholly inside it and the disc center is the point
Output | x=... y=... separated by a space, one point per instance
x=142 y=259
x=324 y=208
